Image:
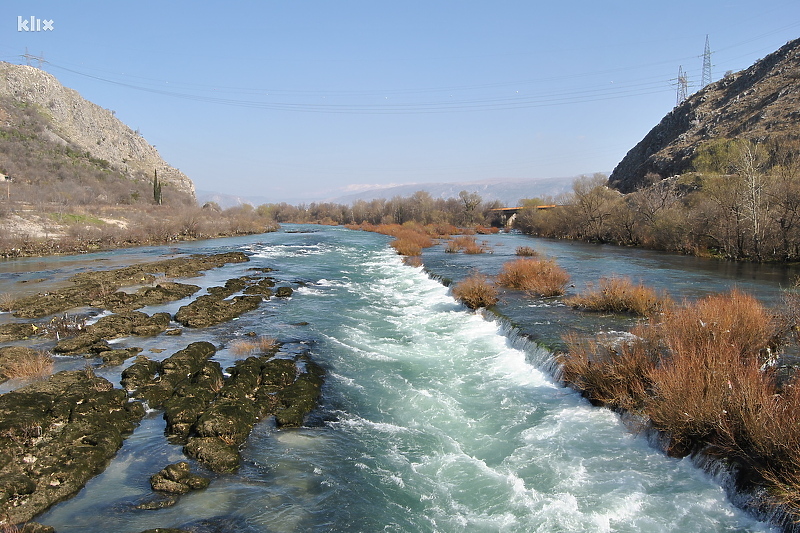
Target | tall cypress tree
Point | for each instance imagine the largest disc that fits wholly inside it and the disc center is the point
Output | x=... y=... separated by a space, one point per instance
x=156 y=188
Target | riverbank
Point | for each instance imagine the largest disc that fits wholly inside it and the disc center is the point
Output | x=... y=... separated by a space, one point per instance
x=27 y=230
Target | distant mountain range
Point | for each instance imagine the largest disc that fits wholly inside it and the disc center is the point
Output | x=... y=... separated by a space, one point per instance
x=508 y=191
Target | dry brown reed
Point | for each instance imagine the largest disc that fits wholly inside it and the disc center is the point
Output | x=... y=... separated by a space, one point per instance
x=539 y=277
x=476 y=291
x=526 y=251
x=620 y=295
x=260 y=345
x=464 y=243
x=410 y=240
x=37 y=364
x=607 y=371
x=6 y=301
x=733 y=318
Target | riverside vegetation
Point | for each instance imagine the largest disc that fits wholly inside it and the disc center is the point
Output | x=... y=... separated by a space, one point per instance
x=705 y=375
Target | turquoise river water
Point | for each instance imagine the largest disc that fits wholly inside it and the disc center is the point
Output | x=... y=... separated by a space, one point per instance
x=434 y=418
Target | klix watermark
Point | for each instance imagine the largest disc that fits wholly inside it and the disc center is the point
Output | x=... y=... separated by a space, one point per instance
x=34 y=24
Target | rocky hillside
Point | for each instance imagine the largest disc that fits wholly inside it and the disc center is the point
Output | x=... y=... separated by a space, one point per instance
x=43 y=117
x=760 y=103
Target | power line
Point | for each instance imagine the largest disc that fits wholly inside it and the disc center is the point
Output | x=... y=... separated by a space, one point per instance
x=605 y=92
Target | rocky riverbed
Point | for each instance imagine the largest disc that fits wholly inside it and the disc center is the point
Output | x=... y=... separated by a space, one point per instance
x=59 y=431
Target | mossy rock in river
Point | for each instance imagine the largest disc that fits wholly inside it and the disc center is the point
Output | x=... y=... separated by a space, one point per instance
x=59 y=433
x=183 y=366
x=18 y=332
x=217 y=455
x=177 y=478
x=167 y=291
x=130 y=323
x=117 y=357
x=112 y=327
x=99 y=287
x=208 y=310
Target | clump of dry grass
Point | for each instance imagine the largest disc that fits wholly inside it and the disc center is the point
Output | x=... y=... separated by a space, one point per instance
x=609 y=372
x=464 y=243
x=34 y=364
x=409 y=239
x=620 y=295
x=486 y=230
x=262 y=345
x=526 y=251
x=7 y=301
x=734 y=318
x=539 y=277
x=476 y=291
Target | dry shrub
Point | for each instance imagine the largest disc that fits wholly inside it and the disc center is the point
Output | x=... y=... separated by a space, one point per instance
x=466 y=243
x=610 y=372
x=691 y=390
x=412 y=260
x=7 y=301
x=443 y=230
x=35 y=364
x=774 y=445
x=262 y=345
x=476 y=291
x=484 y=230
x=476 y=248
x=620 y=295
x=410 y=241
x=716 y=350
x=526 y=251
x=698 y=373
x=734 y=318
x=540 y=277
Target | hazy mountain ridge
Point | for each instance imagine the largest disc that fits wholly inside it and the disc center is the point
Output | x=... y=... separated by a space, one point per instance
x=507 y=191
x=70 y=120
x=759 y=103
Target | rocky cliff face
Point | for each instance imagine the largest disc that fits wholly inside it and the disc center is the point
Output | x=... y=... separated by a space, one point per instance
x=759 y=103
x=72 y=120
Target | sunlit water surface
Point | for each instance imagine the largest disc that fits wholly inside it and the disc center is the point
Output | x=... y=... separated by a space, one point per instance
x=432 y=418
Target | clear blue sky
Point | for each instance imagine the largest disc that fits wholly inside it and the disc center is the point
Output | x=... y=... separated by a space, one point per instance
x=289 y=99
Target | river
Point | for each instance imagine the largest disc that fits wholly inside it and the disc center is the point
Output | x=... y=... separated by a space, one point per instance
x=434 y=418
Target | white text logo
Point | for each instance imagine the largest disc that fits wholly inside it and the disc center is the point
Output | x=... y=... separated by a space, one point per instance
x=34 y=24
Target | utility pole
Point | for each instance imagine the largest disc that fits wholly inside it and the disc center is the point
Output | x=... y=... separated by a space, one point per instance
x=706 y=65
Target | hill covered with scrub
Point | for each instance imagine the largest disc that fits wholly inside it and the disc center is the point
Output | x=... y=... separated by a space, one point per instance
x=760 y=104
x=718 y=176
x=59 y=147
x=80 y=179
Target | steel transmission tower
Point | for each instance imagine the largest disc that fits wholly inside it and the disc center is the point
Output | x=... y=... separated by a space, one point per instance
x=683 y=86
x=706 y=64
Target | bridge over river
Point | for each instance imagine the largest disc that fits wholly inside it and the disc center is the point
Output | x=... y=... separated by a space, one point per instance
x=507 y=215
